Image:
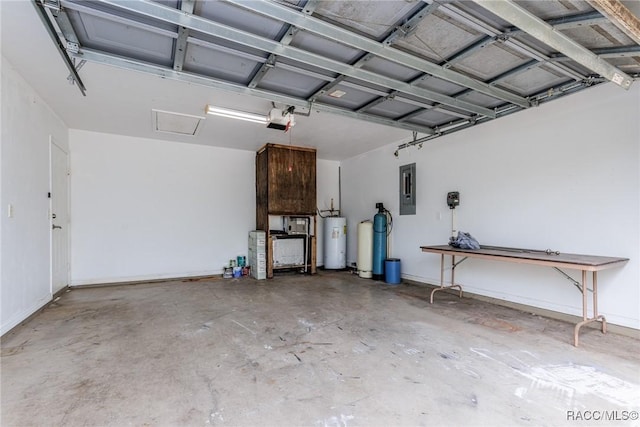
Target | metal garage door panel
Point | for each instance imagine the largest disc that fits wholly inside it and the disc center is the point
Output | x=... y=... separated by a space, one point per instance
x=466 y=40
x=116 y=14
x=325 y=47
x=533 y=81
x=392 y=109
x=481 y=99
x=491 y=61
x=627 y=64
x=353 y=98
x=122 y=39
x=599 y=36
x=290 y=83
x=555 y=9
x=241 y=19
x=391 y=69
x=432 y=118
x=216 y=43
x=366 y=86
x=218 y=64
x=438 y=37
x=359 y=15
x=440 y=86
x=301 y=67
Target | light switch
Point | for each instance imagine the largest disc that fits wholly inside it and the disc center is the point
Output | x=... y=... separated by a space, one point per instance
x=10 y=211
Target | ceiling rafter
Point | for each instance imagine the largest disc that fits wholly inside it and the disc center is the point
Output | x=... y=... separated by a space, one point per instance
x=349 y=38
x=176 y=17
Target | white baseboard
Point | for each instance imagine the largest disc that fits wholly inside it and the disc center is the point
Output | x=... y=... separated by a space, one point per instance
x=23 y=315
x=544 y=308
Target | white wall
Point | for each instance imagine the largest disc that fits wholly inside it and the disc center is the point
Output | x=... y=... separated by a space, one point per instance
x=147 y=209
x=27 y=123
x=563 y=176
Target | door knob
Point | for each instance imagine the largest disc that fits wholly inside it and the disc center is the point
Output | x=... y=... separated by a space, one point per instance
x=56 y=226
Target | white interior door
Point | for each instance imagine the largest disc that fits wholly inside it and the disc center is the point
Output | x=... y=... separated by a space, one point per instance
x=59 y=218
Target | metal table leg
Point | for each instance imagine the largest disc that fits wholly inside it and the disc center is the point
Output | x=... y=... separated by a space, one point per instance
x=453 y=269
x=585 y=317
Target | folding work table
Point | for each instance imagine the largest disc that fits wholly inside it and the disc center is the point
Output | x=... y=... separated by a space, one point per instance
x=547 y=258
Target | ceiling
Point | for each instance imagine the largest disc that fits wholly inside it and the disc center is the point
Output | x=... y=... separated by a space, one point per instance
x=359 y=74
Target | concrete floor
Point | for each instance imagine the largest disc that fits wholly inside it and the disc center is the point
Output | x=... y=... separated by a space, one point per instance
x=327 y=350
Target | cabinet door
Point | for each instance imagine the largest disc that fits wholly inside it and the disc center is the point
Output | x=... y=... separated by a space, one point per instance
x=292 y=181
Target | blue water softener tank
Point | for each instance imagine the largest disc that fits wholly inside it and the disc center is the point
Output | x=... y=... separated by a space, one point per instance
x=379 y=242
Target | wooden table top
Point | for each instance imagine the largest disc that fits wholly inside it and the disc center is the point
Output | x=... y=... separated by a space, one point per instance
x=532 y=256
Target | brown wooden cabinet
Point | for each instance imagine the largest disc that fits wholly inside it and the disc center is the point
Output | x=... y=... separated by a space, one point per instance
x=286 y=186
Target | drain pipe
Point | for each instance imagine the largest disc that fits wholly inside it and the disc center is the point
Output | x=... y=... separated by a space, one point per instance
x=339 y=191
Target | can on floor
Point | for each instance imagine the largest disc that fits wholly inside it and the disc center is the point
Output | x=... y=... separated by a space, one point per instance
x=392 y=271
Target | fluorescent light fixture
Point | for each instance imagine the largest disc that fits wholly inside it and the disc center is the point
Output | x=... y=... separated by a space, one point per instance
x=235 y=114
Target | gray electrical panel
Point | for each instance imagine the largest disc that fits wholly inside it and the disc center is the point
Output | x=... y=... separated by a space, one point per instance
x=408 y=189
